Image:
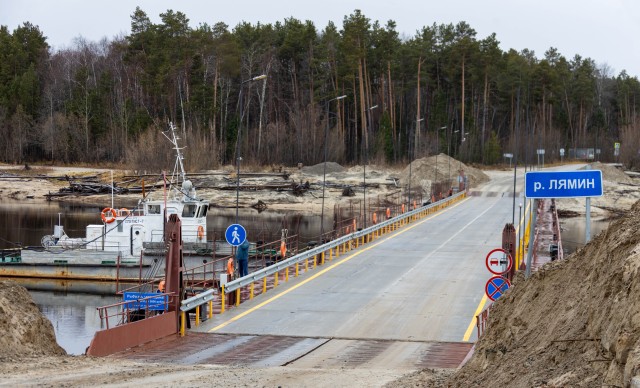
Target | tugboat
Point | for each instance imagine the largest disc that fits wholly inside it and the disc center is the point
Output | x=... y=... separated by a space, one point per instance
x=129 y=244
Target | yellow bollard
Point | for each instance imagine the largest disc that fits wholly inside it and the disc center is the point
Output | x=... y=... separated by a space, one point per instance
x=315 y=261
x=286 y=274
x=275 y=280
x=264 y=284
x=322 y=258
x=306 y=265
x=296 y=269
x=330 y=254
x=197 y=316
x=251 y=292
x=222 y=298
x=182 y=323
x=238 y=297
x=210 y=315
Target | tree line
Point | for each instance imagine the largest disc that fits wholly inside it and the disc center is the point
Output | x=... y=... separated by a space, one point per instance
x=272 y=94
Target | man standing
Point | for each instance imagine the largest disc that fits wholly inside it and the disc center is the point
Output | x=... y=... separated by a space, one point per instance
x=242 y=254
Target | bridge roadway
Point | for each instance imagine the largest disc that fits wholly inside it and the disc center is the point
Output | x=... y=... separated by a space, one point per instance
x=406 y=300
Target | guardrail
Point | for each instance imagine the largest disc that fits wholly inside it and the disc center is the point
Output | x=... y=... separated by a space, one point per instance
x=341 y=243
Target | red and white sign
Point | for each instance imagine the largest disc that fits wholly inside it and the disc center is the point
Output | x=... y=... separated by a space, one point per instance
x=499 y=261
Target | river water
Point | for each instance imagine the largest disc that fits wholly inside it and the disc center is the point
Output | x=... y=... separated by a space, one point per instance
x=71 y=306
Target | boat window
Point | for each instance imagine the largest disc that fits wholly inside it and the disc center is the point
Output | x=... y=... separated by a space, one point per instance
x=203 y=211
x=189 y=210
x=153 y=209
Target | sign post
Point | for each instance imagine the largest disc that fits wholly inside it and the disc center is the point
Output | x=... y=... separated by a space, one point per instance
x=509 y=156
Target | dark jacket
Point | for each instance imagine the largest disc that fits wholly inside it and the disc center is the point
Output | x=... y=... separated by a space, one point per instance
x=243 y=251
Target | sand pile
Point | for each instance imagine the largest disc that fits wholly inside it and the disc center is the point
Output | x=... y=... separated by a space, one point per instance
x=574 y=323
x=611 y=173
x=424 y=171
x=25 y=331
x=319 y=169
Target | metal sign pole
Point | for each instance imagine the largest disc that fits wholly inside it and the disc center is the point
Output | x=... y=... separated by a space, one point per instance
x=587 y=236
x=532 y=233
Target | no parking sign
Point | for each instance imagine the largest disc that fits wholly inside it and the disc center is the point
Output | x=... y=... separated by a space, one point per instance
x=496 y=286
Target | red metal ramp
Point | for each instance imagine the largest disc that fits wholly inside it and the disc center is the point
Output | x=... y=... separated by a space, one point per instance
x=304 y=352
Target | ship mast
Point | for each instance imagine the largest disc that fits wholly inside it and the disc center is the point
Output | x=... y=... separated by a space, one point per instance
x=178 y=169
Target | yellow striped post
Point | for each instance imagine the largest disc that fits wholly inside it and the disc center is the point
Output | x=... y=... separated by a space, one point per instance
x=210 y=315
x=315 y=261
x=322 y=258
x=197 y=316
x=297 y=269
x=264 y=284
x=275 y=280
x=183 y=316
x=251 y=291
x=286 y=274
x=238 y=297
x=222 y=300
x=306 y=265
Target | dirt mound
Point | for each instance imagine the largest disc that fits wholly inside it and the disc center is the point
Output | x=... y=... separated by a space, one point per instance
x=574 y=323
x=424 y=172
x=25 y=331
x=611 y=173
x=318 y=169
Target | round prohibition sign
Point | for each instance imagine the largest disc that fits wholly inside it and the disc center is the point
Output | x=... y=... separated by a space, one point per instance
x=499 y=261
x=496 y=286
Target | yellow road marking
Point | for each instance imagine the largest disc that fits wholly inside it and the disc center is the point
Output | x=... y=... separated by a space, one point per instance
x=266 y=302
x=467 y=334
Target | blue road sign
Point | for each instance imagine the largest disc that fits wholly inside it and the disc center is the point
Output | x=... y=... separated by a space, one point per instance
x=563 y=184
x=496 y=286
x=159 y=303
x=235 y=234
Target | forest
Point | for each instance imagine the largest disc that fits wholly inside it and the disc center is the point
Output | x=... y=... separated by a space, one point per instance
x=289 y=93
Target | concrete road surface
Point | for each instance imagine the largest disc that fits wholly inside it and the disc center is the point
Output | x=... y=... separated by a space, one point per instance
x=424 y=282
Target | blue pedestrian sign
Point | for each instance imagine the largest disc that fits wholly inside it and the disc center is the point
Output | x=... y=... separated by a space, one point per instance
x=563 y=184
x=496 y=286
x=235 y=234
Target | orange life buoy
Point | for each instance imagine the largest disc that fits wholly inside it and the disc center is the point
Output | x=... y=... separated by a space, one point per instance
x=375 y=218
x=110 y=217
x=200 y=232
x=123 y=212
x=388 y=213
x=283 y=249
x=403 y=207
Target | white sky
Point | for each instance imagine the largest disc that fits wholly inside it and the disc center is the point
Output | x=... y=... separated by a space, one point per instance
x=605 y=30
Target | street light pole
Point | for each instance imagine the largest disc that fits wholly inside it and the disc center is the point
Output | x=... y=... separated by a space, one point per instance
x=238 y=157
x=364 y=171
x=519 y=235
x=449 y=152
x=410 y=161
x=438 y=149
x=324 y=170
